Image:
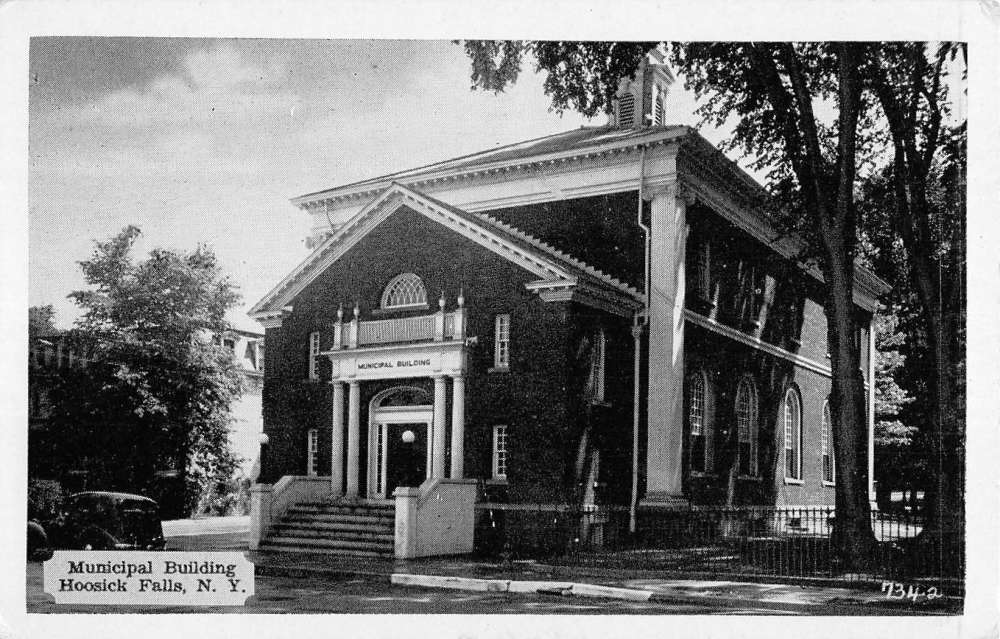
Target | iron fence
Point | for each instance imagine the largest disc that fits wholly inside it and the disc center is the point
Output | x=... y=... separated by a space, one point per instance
x=741 y=541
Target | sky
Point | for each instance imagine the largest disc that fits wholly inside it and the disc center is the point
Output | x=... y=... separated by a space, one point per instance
x=206 y=140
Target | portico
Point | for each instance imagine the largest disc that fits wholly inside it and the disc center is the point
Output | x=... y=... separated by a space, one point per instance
x=404 y=349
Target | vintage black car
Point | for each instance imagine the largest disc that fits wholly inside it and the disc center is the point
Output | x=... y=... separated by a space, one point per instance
x=108 y=521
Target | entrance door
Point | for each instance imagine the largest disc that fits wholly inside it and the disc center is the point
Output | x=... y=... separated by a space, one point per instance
x=406 y=455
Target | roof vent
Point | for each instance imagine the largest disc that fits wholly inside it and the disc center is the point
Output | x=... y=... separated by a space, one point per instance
x=626 y=111
x=640 y=100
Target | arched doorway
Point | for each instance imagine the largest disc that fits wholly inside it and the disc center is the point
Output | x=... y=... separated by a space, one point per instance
x=399 y=452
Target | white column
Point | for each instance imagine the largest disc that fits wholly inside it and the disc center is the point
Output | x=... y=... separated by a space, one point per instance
x=437 y=446
x=871 y=411
x=337 y=440
x=668 y=231
x=458 y=427
x=353 y=435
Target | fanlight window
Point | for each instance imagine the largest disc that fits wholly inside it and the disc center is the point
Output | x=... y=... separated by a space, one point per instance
x=404 y=291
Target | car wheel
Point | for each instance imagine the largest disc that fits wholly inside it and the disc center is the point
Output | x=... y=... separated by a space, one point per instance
x=37 y=540
x=95 y=543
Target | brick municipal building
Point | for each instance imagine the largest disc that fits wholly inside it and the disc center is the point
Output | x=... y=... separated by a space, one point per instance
x=603 y=319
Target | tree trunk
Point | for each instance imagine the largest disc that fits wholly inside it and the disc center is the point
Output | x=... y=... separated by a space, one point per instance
x=828 y=197
x=853 y=536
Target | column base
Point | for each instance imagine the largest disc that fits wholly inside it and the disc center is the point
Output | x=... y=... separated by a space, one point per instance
x=671 y=501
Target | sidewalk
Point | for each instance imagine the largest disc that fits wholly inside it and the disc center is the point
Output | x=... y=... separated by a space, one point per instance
x=473 y=573
x=529 y=577
x=206 y=526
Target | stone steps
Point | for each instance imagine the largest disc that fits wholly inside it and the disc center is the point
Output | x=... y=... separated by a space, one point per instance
x=305 y=531
x=334 y=518
x=354 y=529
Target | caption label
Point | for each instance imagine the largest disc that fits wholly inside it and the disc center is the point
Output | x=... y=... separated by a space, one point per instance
x=149 y=578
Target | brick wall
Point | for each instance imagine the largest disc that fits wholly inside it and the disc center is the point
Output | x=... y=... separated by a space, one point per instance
x=785 y=309
x=531 y=398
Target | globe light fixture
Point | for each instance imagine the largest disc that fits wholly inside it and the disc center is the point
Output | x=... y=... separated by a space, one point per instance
x=408 y=436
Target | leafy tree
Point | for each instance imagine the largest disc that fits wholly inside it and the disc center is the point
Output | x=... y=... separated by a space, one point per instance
x=896 y=465
x=927 y=210
x=157 y=395
x=582 y=76
x=41 y=321
x=779 y=93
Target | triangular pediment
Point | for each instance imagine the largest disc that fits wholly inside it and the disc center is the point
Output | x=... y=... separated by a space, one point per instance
x=521 y=250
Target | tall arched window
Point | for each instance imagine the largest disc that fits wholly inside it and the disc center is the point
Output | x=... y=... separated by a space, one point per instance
x=829 y=471
x=746 y=426
x=697 y=426
x=404 y=291
x=792 y=417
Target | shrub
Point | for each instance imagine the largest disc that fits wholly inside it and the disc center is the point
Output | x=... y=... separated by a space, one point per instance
x=45 y=498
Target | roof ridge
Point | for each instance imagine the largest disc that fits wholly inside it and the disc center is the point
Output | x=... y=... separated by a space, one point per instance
x=391 y=176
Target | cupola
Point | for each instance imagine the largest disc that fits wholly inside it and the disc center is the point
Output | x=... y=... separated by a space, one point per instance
x=641 y=100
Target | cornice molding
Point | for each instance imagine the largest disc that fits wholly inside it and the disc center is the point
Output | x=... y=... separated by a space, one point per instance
x=593 y=154
x=699 y=175
x=269 y=320
x=755 y=342
x=581 y=293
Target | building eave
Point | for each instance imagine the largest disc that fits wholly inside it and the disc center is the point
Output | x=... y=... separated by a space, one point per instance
x=337 y=195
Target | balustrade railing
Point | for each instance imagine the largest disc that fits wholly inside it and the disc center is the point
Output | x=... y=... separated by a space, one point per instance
x=387 y=331
x=436 y=327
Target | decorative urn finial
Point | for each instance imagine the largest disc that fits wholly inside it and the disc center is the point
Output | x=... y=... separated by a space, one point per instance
x=461 y=297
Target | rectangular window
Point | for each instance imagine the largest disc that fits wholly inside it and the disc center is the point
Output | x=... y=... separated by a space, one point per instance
x=501 y=353
x=500 y=452
x=314 y=355
x=312 y=452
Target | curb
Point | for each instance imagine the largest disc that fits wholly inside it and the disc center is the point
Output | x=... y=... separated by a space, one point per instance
x=574 y=589
x=562 y=588
x=578 y=589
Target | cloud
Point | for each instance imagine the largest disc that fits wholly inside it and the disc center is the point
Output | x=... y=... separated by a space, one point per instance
x=217 y=86
x=224 y=67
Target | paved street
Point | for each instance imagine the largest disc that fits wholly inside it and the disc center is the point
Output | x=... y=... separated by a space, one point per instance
x=277 y=595
x=294 y=583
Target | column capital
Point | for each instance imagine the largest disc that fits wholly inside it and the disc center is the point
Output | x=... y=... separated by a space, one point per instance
x=656 y=191
x=676 y=189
